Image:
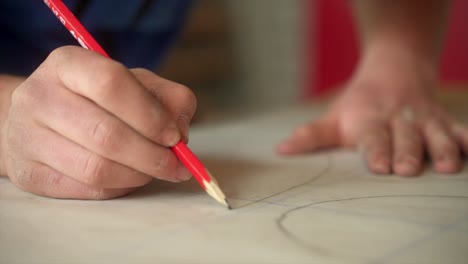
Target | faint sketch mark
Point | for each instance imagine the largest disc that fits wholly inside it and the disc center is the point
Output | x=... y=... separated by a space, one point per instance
x=303 y=244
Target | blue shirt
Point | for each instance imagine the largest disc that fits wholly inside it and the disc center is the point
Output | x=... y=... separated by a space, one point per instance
x=134 y=32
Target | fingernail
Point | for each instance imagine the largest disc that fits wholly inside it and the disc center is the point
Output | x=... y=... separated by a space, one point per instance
x=182 y=173
x=446 y=164
x=284 y=147
x=381 y=166
x=170 y=136
x=183 y=125
x=405 y=169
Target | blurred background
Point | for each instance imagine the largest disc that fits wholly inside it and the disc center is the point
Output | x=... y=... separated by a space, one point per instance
x=254 y=56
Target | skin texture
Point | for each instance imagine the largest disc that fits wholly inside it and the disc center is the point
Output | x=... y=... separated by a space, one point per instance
x=83 y=126
x=387 y=109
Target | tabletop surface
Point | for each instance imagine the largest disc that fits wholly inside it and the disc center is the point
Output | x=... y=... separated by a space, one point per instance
x=320 y=208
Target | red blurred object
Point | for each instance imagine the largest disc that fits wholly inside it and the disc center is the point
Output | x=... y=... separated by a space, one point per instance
x=454 y=63
x=336 y=51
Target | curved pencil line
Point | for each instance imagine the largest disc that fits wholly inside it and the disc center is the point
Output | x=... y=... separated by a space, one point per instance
x=316 y=177
x=289 y=235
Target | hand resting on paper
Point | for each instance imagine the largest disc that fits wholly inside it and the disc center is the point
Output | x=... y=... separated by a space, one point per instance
x=387 y=109
x=388 y=112
x=83 y=126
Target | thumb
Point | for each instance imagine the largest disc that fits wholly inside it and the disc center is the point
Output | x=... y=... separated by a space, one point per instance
x=312 y=136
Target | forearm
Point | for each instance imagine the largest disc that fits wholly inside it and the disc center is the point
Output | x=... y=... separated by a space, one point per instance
x=416 y=26
x=7 y=86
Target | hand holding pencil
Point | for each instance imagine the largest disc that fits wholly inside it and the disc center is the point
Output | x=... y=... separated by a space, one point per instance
x=84 y=126
x=91 y=129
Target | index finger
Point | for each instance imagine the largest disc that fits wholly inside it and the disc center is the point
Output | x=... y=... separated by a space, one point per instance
x=375 y=144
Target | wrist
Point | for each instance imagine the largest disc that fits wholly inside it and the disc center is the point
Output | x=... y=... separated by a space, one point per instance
x=392 y=70
x=397 y=50
x=7 y=86
x=389 y=57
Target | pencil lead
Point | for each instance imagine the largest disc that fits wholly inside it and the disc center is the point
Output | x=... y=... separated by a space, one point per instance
x=228 y=204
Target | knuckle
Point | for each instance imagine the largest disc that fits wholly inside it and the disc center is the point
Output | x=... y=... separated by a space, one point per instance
x=434 y=125
x=61 y=52
x=28 y=95
x=112 y=74
x=94 y=170
x=21 y=98
x=142 y=71
x=26 y=175
x=107 y=135
x=186 y=97
x=23 y=176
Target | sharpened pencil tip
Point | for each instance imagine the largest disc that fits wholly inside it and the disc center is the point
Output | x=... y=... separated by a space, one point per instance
x=214 y=191
x=228 y=204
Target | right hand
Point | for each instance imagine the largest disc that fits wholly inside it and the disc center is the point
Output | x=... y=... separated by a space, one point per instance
x=83 y=126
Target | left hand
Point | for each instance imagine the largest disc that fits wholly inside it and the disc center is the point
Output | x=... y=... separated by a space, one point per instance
x=389 y=113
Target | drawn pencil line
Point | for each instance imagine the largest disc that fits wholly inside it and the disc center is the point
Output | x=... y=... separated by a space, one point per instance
x=316 y=177
x=379 y=217
x=295 y=239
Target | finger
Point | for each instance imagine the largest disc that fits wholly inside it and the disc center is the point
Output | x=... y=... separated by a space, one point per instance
x=407 y=148
x=312 y=136
x=374 y=143
x=42 y=180
x=442 y=147
x=460 y=132
x=179 y=100
x=114 y=88
x=74 y=161
x=96 y=130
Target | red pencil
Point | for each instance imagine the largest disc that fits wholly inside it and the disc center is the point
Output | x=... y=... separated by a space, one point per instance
x=206 y=180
